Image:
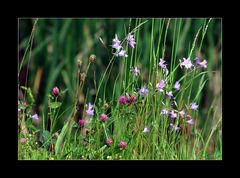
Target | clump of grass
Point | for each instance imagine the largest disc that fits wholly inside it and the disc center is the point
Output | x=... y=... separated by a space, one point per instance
x=155 y=117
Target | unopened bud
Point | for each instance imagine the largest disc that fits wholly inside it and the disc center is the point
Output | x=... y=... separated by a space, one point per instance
x=82 y=76
x=79 y=63
x=92 y=58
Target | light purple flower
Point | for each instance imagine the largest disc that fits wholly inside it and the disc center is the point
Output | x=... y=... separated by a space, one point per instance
x=177 y=85
x=35 y=117
x=164 y=111
x=131 y=40
x=190 y=121
x=143 y=91
x=116 y=44
x=121 y=53
x=169 y=94
x=90 y=110
x=182 y=113
x=160 y=85
x=197 y=60
x=146 y=130
x=193 y=106
x=202 y=64
x=161 y=64
x=186 y=63
x=19 y=110
x=135 y=71
x=173 y=115
x=175 y=127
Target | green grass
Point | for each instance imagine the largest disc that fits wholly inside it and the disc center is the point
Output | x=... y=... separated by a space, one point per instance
x=55 y=45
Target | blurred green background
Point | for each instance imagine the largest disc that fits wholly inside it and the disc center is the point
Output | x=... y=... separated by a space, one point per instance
x=58 y=43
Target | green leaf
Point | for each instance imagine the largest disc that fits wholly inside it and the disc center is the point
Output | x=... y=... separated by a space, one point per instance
x=46 y=138
x=60 y=140
x=55 y=105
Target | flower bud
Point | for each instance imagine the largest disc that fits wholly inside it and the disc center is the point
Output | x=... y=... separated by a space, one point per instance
x=81 y=122
x=103 y=117
x=55 y=91
x=23 y=141
x=79 y=63
x=92 y=58
x=82 y=76
x=109 y=141
x=123 y=144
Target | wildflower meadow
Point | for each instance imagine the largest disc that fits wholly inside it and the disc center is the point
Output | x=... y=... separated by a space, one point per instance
x=119 y=89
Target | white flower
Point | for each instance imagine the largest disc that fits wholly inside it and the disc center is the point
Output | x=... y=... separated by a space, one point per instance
x=146 y=130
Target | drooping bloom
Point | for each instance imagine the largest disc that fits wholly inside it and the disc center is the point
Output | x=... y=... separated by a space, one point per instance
x=81 y=122
x=122 y=100
x=130 y=99
x=90 y=110
x=175 y=127
x=121 y=53
x=162 y=65
x=164 y=111
x=146 y=130
x=160 y=85
x=190 y=121
x=133 y=98
x=186 y=63
x=202 y=64
x=103 y=117
x=143 y=91
x=109 y=141
x=173 y=115
x=116 y=44
x=35 y=118
x=169 y=94
x=131 y=40
x=177 y=85
x=135 y=71
x=55 y=91
x=193 y=106
x=123 y=144
x=23 y=141
x=182 y=113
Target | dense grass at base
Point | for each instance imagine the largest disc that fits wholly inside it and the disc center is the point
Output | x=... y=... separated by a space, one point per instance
x=57 y=45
